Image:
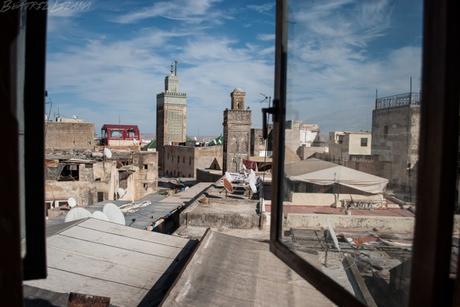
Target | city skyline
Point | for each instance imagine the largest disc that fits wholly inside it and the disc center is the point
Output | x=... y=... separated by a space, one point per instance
x=107 y=63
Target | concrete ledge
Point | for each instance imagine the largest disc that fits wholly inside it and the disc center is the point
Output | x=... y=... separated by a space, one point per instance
x=382 y=223
x=224 y=219
x=328 y=199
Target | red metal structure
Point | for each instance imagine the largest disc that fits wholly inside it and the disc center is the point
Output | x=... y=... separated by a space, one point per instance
x=112 y=132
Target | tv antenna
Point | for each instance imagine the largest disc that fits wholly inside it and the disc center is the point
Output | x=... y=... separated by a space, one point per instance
x=266 y=98
x=50 y=102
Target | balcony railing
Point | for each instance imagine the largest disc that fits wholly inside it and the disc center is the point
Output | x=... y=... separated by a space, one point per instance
x=397 y=100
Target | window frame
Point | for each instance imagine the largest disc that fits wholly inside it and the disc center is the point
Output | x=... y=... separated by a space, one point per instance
x=430 y=281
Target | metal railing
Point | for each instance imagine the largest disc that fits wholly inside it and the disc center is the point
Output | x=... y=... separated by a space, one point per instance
x=397 y=100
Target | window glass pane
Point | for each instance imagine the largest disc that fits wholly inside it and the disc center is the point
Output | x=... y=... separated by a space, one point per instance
x=351 y=142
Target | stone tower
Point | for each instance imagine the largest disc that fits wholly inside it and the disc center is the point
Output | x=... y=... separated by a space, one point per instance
x=237 y=132
x=171 y=115
x=395 y=140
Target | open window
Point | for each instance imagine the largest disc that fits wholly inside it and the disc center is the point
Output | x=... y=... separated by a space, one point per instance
x=333 y=222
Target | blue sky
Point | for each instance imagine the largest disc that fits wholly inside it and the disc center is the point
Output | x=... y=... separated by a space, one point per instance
x=107 y=59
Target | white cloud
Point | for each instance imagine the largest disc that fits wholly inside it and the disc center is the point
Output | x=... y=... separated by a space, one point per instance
x=196 y=11
x=261 y=8
x=123 y=77
x=333 y=74
x=63 y=8
x=266 y=37
x=62 y=12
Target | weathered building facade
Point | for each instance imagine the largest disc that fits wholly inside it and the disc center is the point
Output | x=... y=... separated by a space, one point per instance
x=395 y=139
x=171 y=125
x=183 y=161
x=90 y=178
x=69 y=135
x=344 y=145
x=237 y=132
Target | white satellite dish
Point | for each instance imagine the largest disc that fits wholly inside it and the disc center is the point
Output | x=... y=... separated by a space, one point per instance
x=100 y=216
x=228 y=176
x=252 y=183
x=114 y=214
x=71 y=202
x=107 y=153
x=77 y=214
x=121 y=192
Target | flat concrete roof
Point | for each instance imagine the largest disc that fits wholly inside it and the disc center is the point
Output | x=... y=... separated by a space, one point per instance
x=231 y=271
x=101 y=258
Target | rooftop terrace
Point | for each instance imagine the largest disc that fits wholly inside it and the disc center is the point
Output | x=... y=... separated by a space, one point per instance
x=405 y=99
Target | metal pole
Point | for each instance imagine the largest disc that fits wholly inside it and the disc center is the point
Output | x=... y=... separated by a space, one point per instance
x=410 y=90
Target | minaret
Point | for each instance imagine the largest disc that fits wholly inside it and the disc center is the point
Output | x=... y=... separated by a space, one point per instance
x=171 y=115
x=237 y=131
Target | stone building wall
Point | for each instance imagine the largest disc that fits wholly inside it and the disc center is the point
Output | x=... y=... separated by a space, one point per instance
x=349 y=145
x=257 y=141
x=100 y=180
x=69 y=136
x=146 y=178
x=237 y=134
x=204 y=156
x=395 y=137
x=183 y=161
x=179 y=161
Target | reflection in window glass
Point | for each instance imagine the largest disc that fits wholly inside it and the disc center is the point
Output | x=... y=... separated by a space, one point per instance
x=353 y=85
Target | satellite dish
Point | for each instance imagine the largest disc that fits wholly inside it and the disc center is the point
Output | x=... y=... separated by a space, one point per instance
x=100 y=216
x=107 y=153
x=121 y=192
x=228 y=176
x=71 y=202
x=77 y=214
x=114 y=214
x=252 y=184
x=228 y=185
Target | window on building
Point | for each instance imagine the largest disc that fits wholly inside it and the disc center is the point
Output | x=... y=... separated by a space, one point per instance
x=100 y=196
x=131 y=133
x=189 y=160
x=146 y=166
x=385 y=131
x=363 y=142
x=116 y=134
x=183 y=159
x=70 y=172
x=178 y=159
